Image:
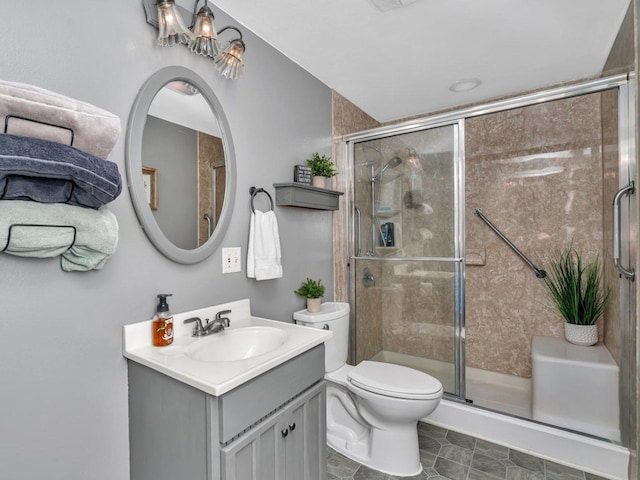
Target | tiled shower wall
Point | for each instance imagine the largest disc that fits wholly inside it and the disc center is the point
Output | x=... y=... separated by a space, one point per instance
x=537 y=174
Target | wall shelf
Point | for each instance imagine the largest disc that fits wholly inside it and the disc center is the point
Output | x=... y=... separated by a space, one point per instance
x=293 y=194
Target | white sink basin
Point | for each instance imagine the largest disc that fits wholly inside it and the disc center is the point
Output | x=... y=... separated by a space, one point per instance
x=239 y=344
x=221 y=361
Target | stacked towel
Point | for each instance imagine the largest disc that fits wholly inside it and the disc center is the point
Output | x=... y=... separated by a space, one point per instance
x=85 y=238
x=35 y=112
x=54 y=177
x=263 y=251
x=49 y=172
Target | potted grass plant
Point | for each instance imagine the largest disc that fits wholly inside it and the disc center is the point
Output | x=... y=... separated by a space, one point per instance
x=322 y=168
x=577 y=289
x=313 y=291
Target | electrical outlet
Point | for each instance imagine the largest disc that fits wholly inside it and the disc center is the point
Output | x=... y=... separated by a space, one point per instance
x=231 y=260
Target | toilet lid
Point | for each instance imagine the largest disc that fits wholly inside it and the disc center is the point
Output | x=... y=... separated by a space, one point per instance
x=394 y=381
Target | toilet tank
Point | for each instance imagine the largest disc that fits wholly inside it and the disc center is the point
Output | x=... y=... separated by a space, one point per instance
x=332 y=316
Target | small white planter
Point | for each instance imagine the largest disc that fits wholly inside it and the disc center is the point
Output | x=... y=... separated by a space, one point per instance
x=319 y=181
x=584 y=335
x=313 y=305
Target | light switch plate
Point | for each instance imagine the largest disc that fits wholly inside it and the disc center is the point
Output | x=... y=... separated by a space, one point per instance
x=231 y=262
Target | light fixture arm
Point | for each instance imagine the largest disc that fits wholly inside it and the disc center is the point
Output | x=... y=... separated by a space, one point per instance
x=195 y=12
x=230 y=28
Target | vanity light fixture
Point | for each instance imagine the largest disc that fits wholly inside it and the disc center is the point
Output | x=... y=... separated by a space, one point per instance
x=229 y=62
x=201 y=37
x=205 y=39
x=171 y=28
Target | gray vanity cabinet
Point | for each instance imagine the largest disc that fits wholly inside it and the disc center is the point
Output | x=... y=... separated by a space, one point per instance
x=289 y=445
x=272 y=427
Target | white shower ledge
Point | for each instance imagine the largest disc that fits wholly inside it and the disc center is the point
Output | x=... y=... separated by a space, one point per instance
x=219 y=377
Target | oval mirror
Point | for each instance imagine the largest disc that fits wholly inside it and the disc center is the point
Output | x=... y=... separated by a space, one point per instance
x=180 y=165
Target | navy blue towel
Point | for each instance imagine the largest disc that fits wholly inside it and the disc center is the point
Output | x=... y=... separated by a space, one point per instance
x=50 y=172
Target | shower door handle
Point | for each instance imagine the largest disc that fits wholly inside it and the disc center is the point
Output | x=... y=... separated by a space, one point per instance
x=358 y=243
x=628 y=190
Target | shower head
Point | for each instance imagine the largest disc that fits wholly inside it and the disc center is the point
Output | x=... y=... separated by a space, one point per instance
x=393 y=163
x=371 y=147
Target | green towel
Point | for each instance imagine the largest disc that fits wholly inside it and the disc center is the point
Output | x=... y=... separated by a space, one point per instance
x=32 y=229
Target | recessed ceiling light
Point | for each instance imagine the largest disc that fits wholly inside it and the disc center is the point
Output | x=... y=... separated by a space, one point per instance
x=465 y=85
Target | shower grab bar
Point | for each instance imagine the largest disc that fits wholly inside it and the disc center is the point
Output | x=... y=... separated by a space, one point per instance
x=628 y=190
x=539 y=273
x=359 y=250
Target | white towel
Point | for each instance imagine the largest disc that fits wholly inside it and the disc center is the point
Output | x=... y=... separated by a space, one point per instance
x=263 y=251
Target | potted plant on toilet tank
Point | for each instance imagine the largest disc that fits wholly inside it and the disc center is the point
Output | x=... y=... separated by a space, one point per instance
x=313 y=291
x=578 y=291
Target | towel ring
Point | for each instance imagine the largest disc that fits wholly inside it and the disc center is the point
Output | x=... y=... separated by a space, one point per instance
x=254 y=191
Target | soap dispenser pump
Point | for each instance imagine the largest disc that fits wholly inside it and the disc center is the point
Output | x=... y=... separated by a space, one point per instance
x=162 y=324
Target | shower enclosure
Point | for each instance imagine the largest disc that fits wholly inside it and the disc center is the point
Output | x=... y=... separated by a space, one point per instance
x=453 y=216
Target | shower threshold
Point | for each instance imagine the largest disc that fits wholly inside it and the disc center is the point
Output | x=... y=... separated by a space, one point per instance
x=496 y=391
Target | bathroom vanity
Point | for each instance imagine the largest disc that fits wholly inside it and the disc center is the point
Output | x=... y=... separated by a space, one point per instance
x=260 y=417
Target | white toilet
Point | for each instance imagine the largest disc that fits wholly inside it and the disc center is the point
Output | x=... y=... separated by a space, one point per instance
x=372 y=408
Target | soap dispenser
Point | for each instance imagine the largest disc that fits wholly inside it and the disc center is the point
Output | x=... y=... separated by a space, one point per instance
x=162 y=322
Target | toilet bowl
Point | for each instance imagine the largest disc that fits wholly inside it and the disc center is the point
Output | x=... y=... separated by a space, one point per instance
x=373 y=407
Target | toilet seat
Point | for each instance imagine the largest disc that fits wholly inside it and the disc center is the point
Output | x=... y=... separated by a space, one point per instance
x=394 y=381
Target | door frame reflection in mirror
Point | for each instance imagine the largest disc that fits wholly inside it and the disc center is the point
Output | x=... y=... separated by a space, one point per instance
x=133 y=150
x=150 y=182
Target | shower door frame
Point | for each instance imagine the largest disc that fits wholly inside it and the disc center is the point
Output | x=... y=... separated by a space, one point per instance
x=625 y=85
x=458 y=221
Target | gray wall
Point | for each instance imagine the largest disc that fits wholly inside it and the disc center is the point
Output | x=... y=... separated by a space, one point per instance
x=63 y=379
x=173 y=150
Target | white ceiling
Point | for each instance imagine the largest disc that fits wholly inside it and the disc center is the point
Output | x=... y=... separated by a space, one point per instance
x=402 y=62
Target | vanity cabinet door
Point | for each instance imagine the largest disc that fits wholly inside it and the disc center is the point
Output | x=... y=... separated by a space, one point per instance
x=306 y=442
x=257 y=455
x=289 y=445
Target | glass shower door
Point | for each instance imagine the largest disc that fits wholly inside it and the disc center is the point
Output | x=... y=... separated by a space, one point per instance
x=406 y=255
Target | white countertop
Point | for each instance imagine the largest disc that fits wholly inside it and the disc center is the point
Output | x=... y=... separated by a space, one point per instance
x=215 y=378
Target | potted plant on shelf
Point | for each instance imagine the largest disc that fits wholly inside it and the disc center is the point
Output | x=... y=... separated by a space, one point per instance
x=313 y=291
x=322 y=168
x=578 y=291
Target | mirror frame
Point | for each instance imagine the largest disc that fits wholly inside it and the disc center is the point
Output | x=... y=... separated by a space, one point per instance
x=133 y=150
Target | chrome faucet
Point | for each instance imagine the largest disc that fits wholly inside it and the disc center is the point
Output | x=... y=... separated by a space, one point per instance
x=217 y=325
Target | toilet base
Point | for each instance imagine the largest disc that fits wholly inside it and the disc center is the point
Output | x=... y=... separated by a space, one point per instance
x=394 y=452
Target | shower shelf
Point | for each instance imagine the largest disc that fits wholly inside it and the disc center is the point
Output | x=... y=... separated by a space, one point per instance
x=387 y=213
x=293 y=194
x=388 y=251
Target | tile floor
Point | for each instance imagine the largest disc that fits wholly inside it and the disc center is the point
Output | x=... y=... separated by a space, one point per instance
x=446 y=454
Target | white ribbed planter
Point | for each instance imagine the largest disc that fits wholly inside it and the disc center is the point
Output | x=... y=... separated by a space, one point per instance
x=584 y=335
x=313 y=305
x=320 y=181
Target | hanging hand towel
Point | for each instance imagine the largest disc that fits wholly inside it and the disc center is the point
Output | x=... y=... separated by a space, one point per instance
x=263 y=251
